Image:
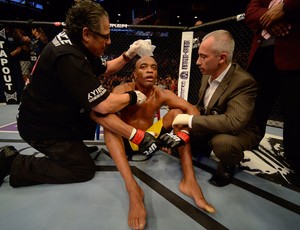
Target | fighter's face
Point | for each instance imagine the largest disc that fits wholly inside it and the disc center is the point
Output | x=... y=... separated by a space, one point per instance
x=145 y=73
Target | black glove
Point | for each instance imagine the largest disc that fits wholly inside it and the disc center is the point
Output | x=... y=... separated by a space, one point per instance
x=172 y=141
x=147 y=143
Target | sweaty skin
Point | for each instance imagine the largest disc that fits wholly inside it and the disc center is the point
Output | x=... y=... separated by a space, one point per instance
x=142 y=117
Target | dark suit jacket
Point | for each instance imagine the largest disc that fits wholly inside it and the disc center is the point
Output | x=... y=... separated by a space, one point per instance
x=287 y=48
x=230 y=109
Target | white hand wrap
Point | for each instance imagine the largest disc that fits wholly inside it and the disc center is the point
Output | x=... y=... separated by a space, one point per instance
x=182 y=119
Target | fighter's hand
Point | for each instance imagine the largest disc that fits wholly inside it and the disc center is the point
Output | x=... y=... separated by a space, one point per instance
x=170 y=140
x=181 y=119
x=133 y=48
x=147 y=143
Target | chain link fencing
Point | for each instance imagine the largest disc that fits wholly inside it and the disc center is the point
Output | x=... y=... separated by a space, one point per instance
x=167 y=40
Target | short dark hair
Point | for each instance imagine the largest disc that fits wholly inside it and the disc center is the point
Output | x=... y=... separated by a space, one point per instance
x=85 y=13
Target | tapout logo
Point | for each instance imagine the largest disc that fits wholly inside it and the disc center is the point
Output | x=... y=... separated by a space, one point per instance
x=9 y=91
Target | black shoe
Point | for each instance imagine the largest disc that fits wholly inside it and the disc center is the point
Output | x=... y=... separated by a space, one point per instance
x=92 y=149
x=223 y=175
x=295 y=180
x=255 y=147
x=7 y=155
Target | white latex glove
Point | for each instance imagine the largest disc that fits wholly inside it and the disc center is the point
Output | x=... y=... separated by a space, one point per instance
x=141 y=98
x=133 y=48
x=146 y=48
x=182 y=119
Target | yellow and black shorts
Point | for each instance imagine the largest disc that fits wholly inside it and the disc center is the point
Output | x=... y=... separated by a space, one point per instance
x=156 y=130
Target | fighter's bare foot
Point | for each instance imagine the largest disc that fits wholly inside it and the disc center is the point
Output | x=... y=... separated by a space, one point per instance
x=193 y=190
x=137 y=211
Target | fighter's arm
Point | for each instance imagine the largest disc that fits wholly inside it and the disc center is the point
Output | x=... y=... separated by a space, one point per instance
x=180 y=135
x=176 y=102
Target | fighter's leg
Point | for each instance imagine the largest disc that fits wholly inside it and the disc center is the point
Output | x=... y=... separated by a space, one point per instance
x=137 y=211
x=189 y=185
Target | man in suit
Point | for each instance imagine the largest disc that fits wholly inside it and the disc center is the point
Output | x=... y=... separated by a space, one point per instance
x=227 y=95
x=274 y=63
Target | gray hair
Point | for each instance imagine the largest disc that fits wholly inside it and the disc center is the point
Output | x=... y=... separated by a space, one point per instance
x=223 y=43
x=85 y=13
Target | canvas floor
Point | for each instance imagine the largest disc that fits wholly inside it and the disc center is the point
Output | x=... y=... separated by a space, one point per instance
x=260 y=197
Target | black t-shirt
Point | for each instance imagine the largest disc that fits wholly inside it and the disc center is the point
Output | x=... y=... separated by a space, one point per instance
x=63 y=89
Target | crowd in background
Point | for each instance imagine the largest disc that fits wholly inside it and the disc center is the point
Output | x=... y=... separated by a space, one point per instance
x=166 y=82
x=25 y=47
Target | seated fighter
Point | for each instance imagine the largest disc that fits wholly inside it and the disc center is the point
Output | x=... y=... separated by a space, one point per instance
x=142 y=118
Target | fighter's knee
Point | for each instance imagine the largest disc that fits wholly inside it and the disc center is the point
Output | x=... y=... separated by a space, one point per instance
x=172 y=113
x=169 y=117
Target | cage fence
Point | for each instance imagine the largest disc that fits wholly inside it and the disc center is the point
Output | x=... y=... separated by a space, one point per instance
x=167 y=40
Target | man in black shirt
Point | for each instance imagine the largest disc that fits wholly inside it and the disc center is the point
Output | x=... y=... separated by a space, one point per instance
x=54 y=114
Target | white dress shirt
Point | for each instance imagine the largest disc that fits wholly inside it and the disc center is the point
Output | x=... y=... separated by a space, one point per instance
x=213 y=85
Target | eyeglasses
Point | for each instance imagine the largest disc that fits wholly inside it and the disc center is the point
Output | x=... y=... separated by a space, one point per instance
x=105 y=36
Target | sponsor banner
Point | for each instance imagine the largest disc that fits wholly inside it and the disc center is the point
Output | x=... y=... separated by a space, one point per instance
x=5 y=72
x=185 y=64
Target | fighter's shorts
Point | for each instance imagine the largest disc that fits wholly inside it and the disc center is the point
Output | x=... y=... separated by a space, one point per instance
x=156 y=130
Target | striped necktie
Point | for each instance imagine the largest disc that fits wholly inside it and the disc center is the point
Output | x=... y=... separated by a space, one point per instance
x=265 y=33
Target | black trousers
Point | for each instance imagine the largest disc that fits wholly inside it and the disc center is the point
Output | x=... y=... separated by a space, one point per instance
x=273 y=82
x=65 y=162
